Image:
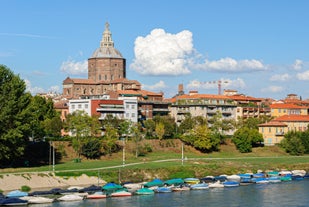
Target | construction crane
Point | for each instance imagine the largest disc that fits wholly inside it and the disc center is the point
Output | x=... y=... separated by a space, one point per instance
x=218 y=82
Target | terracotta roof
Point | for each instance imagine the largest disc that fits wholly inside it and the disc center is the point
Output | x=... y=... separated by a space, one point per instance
x=244 y=98
x=139 y=92
x=273 y=123
x=200 y=96
x=61 y=104
x=287 y=106
x=293 y=118
x=124 y=80
x=77 y=80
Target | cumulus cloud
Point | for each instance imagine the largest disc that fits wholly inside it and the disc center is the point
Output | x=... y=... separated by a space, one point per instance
x=280 y=77
x=230 y=65
x=72 y=67
x=161 y=53
x=157 y=86
x=298 y=64
x=303 y=76
x=225 y=83
x=273 y=89
x=31 y=89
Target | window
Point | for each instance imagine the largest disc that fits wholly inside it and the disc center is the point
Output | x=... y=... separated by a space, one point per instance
x=133 y=115
x=133 y=107
x=269 y=129
x=79 y=106
x=73 y=106
x=127 y=115
x=86 y=106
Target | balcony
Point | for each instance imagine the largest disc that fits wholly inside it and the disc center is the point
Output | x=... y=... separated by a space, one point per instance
x=279 y=133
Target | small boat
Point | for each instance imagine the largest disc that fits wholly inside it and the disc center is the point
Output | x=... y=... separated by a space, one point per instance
x=191 y=180
x=217 y=184
x=259 y=175
x=70 y=197
x=208 y=179
x=260 y=180
x=199 y=186
x=13 y=202
x=285 y=178
x=121 y=193
x=220 y=178
x=297 y=177
x=230 y=184
x=16 y=194
x=97 y=195
x=233 y=178
x=175 y=182
x=144 y=191
x=274 y=179
x=181 y=188
x=133 y=186
x=245 y=176
x=37 y=199
x=273 y=174
x=155 y=183
x=246 y=181
x=163 y=190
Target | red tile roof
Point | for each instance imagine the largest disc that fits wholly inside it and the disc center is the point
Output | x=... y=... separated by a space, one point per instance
x=273 y=123
x=287 y=106
x=293 y=118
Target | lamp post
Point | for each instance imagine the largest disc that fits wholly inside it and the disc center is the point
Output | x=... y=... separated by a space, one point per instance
x=123 y=152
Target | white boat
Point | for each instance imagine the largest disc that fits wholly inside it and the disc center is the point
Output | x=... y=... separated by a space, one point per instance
x=181 y=188
x=37 y=199
x=121 y=194
x=233 y=178
x=217 y=184
x=199 y=186
x=70 y=197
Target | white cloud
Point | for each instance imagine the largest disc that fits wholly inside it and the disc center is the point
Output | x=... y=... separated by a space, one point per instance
x=161 y=53
x=225 y=84
x=72 y=67
x=280 y=77
x=273 y=89
x=33 y=90
x=230 y=65
x=303 y=76
x=157 y=86
x=298 y=65
x=55 y=89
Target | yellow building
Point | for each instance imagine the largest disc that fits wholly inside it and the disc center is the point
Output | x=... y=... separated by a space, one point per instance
x=281 y=109
x=274 y=131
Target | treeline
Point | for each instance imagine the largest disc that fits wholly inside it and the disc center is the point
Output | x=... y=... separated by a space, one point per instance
x=26 y=120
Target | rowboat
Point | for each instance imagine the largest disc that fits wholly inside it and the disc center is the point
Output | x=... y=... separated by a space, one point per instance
x=37 y=199
x=70 y=197
x=144 y=191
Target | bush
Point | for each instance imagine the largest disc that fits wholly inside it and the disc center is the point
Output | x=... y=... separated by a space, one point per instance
x=25 y=188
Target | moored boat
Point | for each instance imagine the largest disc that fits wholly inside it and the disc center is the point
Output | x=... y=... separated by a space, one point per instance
x=191 y=180
x=181 y=188
x=121 y=193
x=216 y=184
x=70 y=197
x=230 y=184
x=163 y=190
x=274 y=179
x=13 y=201
x=37 y=199
x=144 y=191
x=97 y=195
x=16 y=194
x=199 y=186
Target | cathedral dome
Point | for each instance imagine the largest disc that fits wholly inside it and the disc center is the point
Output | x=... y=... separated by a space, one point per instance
x=106 y=52
x=106 y=49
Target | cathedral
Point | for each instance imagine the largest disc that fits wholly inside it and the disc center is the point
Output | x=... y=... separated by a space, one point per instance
x=106 y=73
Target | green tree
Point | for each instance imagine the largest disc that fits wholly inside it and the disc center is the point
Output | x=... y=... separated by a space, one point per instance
x=137 y=136
x=79 y=125
x=160 y=130
x=14 y=130
x=53 y=126
x=201 y=138
x=245 y=138
x=293 y=144
x=150 y=127
x=92 y=148
x=110 y=139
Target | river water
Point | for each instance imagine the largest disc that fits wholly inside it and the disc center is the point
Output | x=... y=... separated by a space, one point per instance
x=284 y=194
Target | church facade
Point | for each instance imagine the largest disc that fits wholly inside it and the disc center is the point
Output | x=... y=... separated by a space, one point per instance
x=106 y=72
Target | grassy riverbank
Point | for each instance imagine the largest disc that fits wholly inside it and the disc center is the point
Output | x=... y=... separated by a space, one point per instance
x=165 y=162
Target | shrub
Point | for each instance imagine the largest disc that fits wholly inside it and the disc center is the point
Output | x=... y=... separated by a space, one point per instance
x=25 y=188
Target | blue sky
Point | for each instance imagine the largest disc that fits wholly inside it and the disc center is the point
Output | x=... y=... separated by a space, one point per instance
x=257 y=47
